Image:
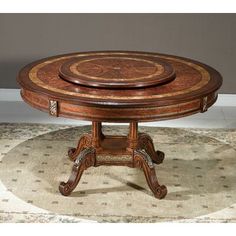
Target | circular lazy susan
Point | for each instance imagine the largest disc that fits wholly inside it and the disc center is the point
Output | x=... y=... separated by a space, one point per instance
x=117 y=71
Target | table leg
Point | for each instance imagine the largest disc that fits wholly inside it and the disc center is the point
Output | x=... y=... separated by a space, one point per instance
x=85 y=159
x=87 y=140
x=84 y=142
x=145 y=142
x=138 y=146
x=143 y=161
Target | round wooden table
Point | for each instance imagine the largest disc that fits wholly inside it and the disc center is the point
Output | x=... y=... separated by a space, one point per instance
x=118 y=86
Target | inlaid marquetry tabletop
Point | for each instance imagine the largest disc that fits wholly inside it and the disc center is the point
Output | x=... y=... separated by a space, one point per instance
x=87 y=85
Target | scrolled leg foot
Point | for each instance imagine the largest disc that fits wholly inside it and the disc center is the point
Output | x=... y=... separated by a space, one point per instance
x=161 y=192
x=64 y=189
x=143 y=161
x=86 y=158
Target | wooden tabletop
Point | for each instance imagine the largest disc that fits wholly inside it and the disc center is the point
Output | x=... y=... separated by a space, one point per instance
x=113 y=71
x=119 y=86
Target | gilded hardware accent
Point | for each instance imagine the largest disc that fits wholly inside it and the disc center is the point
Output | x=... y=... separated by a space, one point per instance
x=204 y=104
x=53 y=108
x=145 y=157
x=83 y=155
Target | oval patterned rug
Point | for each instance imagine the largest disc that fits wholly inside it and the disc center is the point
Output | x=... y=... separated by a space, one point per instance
x=199 y=172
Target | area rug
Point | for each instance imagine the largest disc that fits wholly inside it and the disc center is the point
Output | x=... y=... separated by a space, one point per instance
x=199 y=172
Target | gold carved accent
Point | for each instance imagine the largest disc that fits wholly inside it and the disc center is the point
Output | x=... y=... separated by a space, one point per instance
x=204 y=104
x=143 y=154
x=83 y=155
x=115 y=158
x=53 y=108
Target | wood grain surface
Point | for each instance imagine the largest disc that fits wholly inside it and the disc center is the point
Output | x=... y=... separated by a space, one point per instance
x=116 y=71
x=193 y=89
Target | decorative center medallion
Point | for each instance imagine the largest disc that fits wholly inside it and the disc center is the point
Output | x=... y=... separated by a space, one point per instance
x=111 y=68
x=116 y=71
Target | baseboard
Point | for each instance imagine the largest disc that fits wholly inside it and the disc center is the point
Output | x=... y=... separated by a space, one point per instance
x=226 y=100
x=11 y=95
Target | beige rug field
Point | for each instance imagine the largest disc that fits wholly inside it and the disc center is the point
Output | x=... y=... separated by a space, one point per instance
x=199 y=171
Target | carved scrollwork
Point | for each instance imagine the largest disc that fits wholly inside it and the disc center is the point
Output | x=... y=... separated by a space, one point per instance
x=86 y=158
x=143 y=161
x=145 y=142
x=84 y=142
x=142 y=153
x=83 y=154
x=53 y=108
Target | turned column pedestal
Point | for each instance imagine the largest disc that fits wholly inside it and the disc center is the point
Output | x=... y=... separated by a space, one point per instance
x=135 y=150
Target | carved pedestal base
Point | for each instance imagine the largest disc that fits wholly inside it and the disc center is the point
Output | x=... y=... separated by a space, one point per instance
x=95 y=149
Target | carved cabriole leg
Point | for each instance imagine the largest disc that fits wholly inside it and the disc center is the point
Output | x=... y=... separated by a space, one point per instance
x=86 y=158
x=143 y=161
x=84 y=142
x=145 y=142
x=138 y=145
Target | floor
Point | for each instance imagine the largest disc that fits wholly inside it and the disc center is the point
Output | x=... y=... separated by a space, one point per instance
x=29 y=187
x=216 y=117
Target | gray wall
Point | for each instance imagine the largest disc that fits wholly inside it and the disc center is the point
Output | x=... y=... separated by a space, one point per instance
x=210 y=38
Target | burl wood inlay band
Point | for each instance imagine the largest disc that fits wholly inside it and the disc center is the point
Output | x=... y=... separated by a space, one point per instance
x=205 y=78
x=121 y=114
x=110 y=158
